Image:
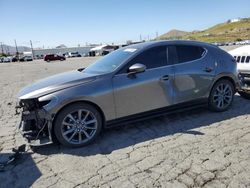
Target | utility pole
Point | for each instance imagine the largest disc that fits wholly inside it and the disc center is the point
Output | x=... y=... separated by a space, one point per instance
x=32 y=51
x=140 y=38
x=2 y=47
x=17 y=53
x=8 y=50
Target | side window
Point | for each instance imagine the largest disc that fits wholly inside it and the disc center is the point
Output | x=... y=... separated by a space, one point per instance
x=187 y=53
x=171 y=55
x=243 y=59
x=151 y=58
x=248 y=59
x=238 y=59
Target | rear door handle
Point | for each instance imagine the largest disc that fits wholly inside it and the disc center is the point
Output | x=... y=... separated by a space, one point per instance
x=208 y=69
x=166 y=77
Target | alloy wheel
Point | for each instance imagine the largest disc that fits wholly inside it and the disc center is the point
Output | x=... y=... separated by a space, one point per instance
x=79 y=126
x=223 y=95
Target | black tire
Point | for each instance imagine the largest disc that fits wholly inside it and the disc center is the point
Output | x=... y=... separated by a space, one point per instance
x=213 y=96
x=245 y=95
x=59 y=127
x=48 y=60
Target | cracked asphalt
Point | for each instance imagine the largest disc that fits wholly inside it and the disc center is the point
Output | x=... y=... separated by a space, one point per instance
x=197 y=148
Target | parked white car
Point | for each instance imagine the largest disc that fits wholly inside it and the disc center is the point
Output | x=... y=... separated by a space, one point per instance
x=5 y=59
x=26 y=58
x=72 y=54
x=242 y=56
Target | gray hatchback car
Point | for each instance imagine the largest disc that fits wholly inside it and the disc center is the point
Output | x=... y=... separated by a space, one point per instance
x=132 y=83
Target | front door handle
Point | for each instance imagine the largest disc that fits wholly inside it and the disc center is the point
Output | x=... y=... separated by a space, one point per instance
x=208 y=69
x=166 y=77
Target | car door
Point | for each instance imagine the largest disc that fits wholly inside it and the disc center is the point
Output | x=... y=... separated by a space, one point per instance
x=194 y=73
x=56 y=57
x=144 y=91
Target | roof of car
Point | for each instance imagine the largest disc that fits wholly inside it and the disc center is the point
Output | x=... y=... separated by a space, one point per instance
x=168 y=42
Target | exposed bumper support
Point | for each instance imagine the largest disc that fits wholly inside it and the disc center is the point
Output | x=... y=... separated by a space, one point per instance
x=35 y=125
x=244 y=82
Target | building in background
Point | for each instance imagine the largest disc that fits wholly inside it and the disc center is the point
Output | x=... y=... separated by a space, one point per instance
x=40 y=53
x=102 y=50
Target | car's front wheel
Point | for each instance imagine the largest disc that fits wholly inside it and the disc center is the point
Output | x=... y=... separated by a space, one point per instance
x=78 y=125
x=221 y=96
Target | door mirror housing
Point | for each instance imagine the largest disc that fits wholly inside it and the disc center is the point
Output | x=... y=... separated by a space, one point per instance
x=136 y=68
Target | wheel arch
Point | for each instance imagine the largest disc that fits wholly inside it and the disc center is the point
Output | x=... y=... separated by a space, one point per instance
x=211 y=104
x=225 y=77
x=75 y=102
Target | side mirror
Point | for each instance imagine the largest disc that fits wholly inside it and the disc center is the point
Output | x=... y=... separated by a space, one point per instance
x=136 y=68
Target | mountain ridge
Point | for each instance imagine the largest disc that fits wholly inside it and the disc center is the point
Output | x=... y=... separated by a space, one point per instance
x=222 y=32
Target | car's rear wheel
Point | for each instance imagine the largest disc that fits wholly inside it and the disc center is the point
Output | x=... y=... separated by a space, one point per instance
x=78 y=125
x=48 y=60
x=245 y=95
x=221 y=96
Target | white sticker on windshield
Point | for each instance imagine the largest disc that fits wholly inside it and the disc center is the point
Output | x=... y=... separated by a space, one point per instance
x=130 y=50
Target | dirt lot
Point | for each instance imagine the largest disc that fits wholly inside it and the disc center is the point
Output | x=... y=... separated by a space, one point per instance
x=191 y=149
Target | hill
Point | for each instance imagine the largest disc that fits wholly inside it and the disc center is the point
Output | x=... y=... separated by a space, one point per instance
x=173 y=34
x=224 y=32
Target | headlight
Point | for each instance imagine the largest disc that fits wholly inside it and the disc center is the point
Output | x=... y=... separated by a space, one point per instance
x=43 y=103
x=47 y=101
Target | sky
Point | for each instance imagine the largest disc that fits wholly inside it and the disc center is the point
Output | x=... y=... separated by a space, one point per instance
x=49 y=23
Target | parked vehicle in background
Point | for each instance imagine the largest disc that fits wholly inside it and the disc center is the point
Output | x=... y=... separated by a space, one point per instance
x=75 y=54
x=132 y=83
x=242 y=57
x=5 y=59
x=53 y=57
x=72 y=54
x=39 y=57
x=26 y=58
x=14 y=59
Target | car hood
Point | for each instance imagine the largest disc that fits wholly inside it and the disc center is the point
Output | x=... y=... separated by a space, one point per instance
x=55 y=83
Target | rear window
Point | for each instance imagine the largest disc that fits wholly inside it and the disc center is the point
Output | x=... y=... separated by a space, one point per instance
x=187 y=53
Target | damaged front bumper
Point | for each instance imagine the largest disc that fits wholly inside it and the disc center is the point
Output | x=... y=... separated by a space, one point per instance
x=36 y=123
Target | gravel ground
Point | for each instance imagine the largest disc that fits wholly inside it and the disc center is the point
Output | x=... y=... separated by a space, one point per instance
x=197 y=148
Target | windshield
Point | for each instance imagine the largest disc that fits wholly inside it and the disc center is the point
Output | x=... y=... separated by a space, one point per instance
x=111 y=61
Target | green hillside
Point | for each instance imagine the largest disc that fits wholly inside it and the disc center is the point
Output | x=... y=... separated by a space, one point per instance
x=224 y=32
